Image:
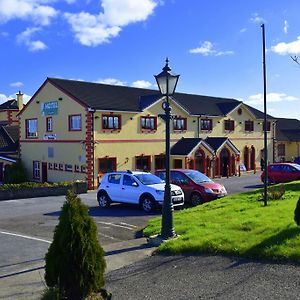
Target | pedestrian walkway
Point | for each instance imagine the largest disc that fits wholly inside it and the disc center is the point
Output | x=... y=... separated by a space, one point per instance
x=29 y=283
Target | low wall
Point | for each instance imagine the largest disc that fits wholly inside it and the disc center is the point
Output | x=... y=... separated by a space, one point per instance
x=78 y=188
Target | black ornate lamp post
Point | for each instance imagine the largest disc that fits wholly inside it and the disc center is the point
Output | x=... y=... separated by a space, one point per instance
x=167 y=82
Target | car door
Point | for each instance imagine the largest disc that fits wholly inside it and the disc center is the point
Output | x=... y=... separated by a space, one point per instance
x=293 y=173
x=113 y=186
x=183 y=181
x=130 y=190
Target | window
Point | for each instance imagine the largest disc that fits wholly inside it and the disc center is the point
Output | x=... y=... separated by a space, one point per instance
x=143 y=163
x=206 y=124
x=229 y=125
x=179 y=124
x=75 y=123
x=107 y=164
x=177 y=163
x=49 y=124
x=114 y=178
x=268 y=126
x=31 y=128
x=128 y=180
x=149 y=123
x=281 y=149
x=36 y=169
x=249 y=126
x=160 y=162
x=50 y=152
x=111 y=122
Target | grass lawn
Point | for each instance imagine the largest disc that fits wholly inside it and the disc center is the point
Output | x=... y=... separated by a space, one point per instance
x=238 y=225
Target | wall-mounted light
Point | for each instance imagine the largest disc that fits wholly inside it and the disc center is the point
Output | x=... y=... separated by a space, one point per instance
x=37 y=102
x=258 y=123
x=241 y=122
x=60 y=98
x=194 y=121
x=131 y=118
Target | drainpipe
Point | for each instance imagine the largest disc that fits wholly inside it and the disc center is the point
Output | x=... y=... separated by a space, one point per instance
x=198 y=126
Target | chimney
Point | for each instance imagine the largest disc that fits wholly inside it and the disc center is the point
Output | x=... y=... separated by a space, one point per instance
x=20 y=100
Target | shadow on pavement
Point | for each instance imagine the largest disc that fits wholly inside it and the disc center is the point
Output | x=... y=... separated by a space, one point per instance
x=255 y=186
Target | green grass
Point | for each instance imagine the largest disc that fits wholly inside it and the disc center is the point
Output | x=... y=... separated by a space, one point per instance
x=238 y=225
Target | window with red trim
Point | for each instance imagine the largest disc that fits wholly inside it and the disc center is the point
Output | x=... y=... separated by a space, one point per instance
x=75 y=123
x=179 y=123
x=229 y=125
x=143 y=163
x=111 y=122
x=36 y=169
x=107 y=164
x=49 y=124
x=281 y=149
x=149 y=123
x=160 y=162
x=206 y=124
x=249 y=126
x=31 y=128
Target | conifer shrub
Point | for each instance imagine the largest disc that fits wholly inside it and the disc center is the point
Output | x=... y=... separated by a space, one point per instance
x=297 y=213
x=15 y=173
x=75 y=261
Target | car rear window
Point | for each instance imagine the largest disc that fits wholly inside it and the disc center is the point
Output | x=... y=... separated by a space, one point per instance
x=114 y=178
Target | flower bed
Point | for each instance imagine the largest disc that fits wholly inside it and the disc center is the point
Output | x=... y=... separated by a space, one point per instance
x=36 y=189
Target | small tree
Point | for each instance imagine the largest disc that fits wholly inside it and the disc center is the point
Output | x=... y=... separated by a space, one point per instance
x=15 y=173
x=75 y=261
x=297 y=213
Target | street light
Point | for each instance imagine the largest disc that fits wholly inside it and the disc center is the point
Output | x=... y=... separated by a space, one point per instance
x=167 y=82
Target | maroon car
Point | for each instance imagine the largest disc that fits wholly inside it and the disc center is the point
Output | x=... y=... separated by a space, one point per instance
x=197 y=187
x=282 y=172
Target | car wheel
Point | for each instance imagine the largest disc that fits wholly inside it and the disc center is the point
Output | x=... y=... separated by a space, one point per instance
x=147 y=204
x=103 y=200
x=196 y=199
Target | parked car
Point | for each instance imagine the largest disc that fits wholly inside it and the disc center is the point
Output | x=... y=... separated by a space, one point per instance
x=297 y=160
x=197 y=187
x=135 y=187
x=282 y=172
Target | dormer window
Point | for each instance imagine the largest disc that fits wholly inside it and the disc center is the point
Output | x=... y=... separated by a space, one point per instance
x=148 y=123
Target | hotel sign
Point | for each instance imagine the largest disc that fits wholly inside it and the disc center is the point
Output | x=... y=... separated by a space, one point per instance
x=49 y=108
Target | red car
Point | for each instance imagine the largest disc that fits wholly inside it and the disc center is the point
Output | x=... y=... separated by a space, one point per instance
x=282 y=172
x=197 y=187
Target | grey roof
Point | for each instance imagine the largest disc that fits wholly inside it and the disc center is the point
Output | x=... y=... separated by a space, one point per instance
x=9 y=139
x=287 y=129
x=10 y=104
x=215 y=142
x=121 y=98
x=184 y=146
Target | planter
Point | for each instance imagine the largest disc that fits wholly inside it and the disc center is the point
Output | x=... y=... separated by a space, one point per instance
x=77 y=187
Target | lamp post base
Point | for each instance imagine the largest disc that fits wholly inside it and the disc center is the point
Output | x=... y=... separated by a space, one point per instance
x=157 y=240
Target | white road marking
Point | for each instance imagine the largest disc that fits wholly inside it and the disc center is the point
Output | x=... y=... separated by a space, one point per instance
x=130 y=225
x=26 y=237
x=107 y=236
x=115 y=225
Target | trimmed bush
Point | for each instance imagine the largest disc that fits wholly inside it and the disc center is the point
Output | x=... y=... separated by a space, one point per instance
x=297 y=213
x=75 y=261
x=15 y=173
x=274 y=192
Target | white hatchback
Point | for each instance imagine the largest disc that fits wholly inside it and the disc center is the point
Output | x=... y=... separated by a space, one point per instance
x=136 y=187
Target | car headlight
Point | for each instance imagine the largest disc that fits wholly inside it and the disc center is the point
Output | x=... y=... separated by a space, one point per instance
x=159 y=192
x=209 y=191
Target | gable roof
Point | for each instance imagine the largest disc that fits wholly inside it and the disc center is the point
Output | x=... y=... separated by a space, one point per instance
x=216 y=143
x=185 y=146
x=9 y=139
x=100 y=96
x=10 y=104
x=287 y=129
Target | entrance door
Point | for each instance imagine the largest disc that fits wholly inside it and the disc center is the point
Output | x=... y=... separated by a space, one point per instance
x=44 y=172
x=224 y=162
x=199 y=161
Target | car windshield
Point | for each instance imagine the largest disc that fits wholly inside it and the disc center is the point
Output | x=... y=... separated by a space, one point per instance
x=197 y=177
x=296 y=166
x=148 y=179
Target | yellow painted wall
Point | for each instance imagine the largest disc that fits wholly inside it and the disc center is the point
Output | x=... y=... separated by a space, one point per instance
x=3 y=116
x=292 y=150
x=67 y=147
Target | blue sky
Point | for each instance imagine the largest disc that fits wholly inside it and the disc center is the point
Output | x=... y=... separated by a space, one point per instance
x=215 y=46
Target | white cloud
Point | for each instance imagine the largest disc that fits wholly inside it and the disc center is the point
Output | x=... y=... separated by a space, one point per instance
x=26 y=38
x=4 y=98
x=93 y=30
x=285 y=27
x=271 y=97
x=142 y=84
x=207 y=48
x=32 y=10
x=256 y=19
x=17 y=84
x=111 y=81
x=287 y=48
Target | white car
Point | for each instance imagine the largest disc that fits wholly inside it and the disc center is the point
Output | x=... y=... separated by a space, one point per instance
x=135 y=187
